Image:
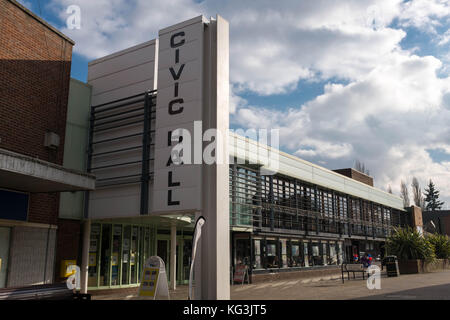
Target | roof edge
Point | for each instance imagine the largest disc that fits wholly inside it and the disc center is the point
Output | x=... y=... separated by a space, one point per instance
x=42 y=21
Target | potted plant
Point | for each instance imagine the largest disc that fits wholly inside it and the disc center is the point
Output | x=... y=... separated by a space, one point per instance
x=413 y=251
x=441 y=244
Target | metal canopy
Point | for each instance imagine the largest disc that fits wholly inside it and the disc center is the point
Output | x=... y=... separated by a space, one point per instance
x=27 y=174
x=160 y=221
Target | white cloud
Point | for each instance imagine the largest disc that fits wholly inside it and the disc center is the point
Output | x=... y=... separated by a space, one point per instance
x=271 y=48
x=444 y=39
x=26 y=3
x=392 y=110
x=424 y=14
x=387 y=119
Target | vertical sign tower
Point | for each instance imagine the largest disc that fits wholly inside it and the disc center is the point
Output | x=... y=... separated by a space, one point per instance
x=177 y=185
x=193 y=96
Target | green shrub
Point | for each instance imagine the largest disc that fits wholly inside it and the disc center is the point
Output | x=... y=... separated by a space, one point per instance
x=409 y=244
x=441 y=245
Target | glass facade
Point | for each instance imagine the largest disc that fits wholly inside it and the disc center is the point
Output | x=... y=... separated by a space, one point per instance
x=281 y=203
x=293 y=253
x=311 y=223
x=117 y=253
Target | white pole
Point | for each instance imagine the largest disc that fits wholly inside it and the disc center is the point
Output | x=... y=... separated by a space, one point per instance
x=173 y=257
x=85 y=256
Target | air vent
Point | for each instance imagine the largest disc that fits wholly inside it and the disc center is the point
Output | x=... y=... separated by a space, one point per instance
x=51 y=140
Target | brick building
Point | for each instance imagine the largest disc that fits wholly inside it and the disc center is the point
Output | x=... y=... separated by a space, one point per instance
x=35 y=61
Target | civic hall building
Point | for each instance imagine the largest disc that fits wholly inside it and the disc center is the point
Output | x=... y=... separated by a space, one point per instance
x=301 y=218
x=123 y=125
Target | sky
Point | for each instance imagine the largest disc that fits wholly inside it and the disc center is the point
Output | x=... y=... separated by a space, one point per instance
x=342 y=80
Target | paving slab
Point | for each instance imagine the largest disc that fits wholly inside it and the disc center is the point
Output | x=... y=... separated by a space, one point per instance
x=427 y=286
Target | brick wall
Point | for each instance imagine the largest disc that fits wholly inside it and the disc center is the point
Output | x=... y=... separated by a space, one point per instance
x=68 y=243
x=34 y=85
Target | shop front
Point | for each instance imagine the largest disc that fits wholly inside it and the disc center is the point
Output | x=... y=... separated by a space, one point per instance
x=118 y=250
x=272 y=253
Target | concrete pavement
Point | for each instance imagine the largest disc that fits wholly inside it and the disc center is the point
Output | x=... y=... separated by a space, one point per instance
x=434 y=286
x=428 y=286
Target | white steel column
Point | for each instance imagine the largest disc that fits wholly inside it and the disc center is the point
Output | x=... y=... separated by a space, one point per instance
x=85 y=256
x=173 y=257
x=212 y=272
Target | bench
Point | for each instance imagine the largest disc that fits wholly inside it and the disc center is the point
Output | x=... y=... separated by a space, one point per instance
x=57 y=291
x=353 y=267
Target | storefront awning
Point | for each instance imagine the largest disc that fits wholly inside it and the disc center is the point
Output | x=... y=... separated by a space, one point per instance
x=27 y=174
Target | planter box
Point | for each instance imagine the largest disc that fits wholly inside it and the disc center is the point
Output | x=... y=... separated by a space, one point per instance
x=420 y=266
x=411 y=266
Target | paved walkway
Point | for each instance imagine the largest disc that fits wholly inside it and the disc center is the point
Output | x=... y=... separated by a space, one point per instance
x=430 y=286
x=433 y=286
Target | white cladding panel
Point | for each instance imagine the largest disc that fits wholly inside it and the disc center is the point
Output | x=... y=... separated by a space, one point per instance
x=124 y=74
x=179 y=104
x=117 y=76
x=120 y=201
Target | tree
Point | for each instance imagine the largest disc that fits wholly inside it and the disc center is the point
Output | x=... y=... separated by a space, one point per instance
x=360 y=166
x=432 y=198
x=404 y=194
x=417 y=194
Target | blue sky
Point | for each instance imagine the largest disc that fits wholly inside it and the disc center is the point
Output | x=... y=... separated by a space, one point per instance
x=341 y=80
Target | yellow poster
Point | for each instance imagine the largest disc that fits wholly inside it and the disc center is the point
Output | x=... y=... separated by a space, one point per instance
x=64 y=265
x=149 y=282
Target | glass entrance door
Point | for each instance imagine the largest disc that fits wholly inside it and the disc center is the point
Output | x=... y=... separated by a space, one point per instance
x=4 y=253
x=162 y=251
x=184 y=260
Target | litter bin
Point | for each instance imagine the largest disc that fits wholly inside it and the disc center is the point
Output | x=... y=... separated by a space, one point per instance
x=391 y=264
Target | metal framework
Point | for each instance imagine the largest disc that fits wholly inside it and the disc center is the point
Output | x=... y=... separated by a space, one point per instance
x=279 y=204
x=109 y=120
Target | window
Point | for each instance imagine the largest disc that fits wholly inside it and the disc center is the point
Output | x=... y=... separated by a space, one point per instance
x=134 y=255
x=295 y=254
x=115 y=263
x=105 y=255
x=126 y=255
x=242 y=254
x=94 y=249
x=317 y=258
x=333 y=254
x=305 y=253
x=257 y=261
x=273 y=260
